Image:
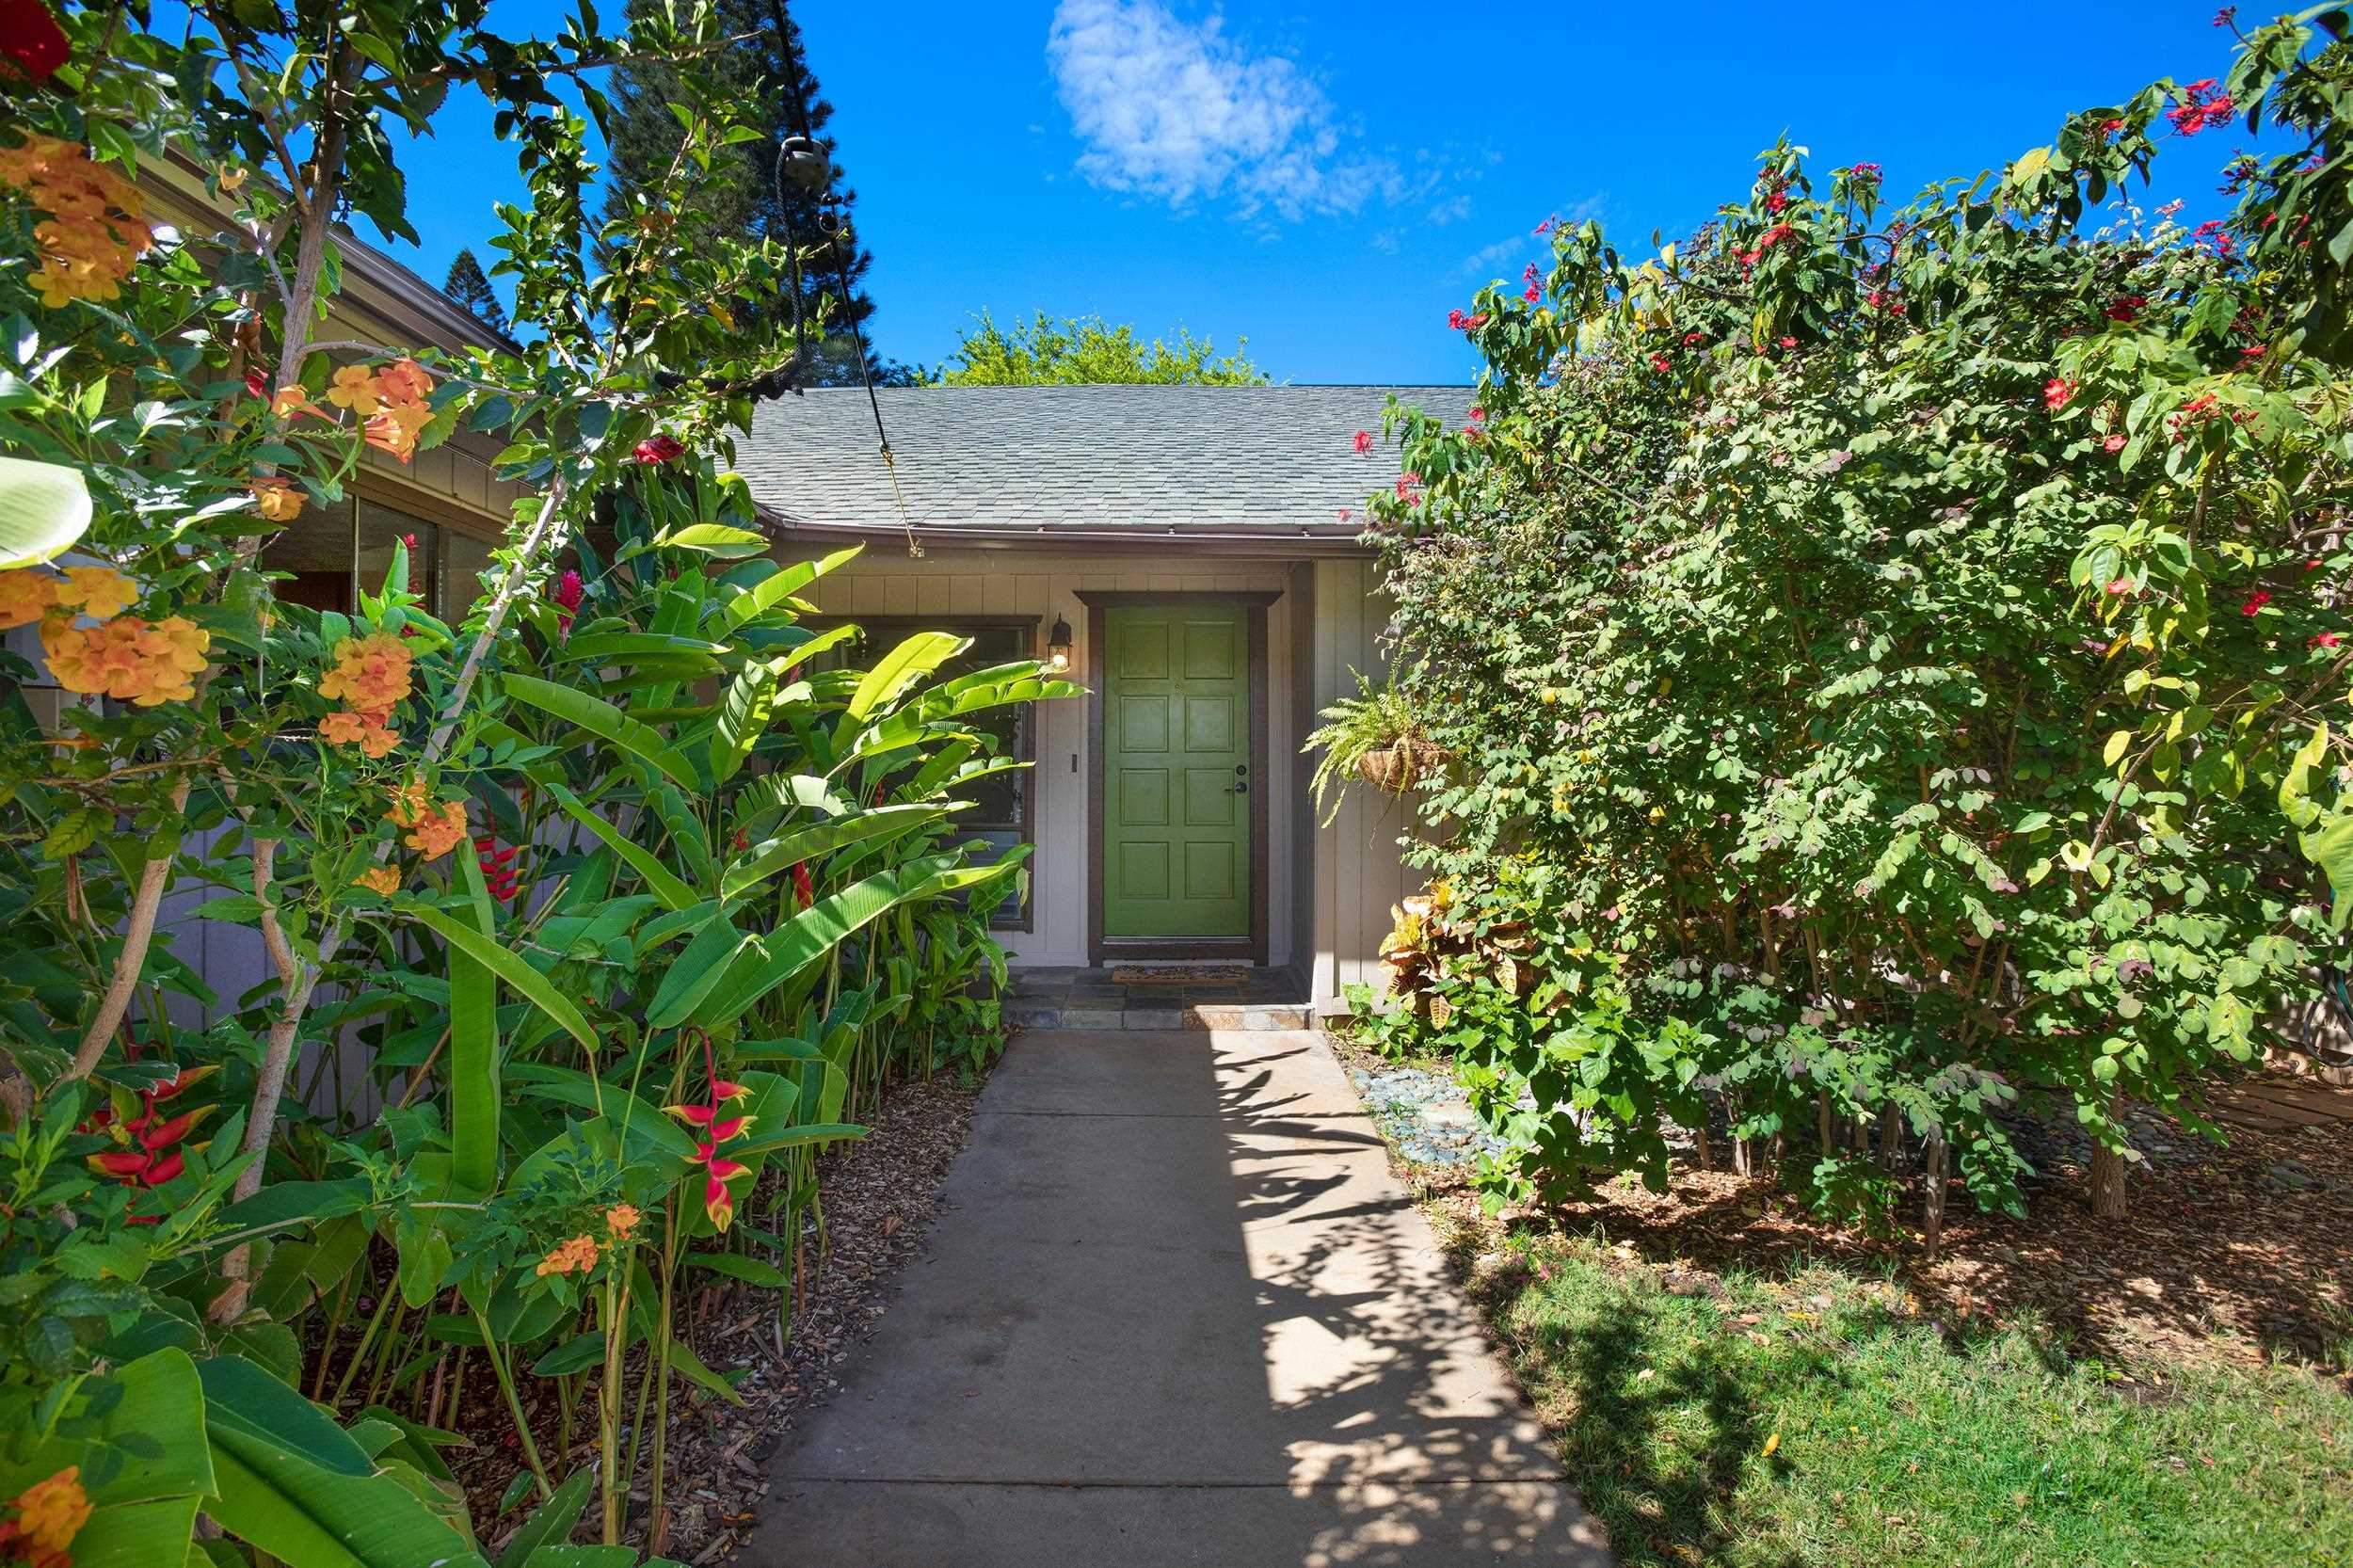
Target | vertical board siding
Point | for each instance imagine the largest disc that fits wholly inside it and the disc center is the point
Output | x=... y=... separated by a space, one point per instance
x=1358 y=871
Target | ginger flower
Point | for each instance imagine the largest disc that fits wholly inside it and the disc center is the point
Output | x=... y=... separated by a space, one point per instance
x=276 y=499
x=26 y=594
x=48 y=1514
x=380 y=880
x=126 y=658
x=371 y=673
x=620 y=1220
x=579 y=1254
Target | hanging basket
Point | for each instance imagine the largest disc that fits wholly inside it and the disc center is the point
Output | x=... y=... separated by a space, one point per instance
x=1405 y=763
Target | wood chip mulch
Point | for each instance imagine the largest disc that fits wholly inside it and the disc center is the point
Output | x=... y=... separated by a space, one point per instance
x=2236 y=1254
x=879 y=1197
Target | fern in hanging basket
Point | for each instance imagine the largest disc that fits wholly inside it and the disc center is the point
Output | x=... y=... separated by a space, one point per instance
x=1376 y=736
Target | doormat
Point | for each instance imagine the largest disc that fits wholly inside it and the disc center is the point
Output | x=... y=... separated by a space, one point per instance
x=1233 y=977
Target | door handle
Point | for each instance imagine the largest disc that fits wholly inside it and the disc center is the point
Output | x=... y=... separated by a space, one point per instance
x=1237 y=789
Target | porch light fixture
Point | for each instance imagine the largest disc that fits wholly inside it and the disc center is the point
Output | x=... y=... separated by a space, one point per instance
x=1057 y=647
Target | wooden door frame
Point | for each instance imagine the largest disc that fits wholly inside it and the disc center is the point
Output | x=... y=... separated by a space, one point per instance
x=1252 y=948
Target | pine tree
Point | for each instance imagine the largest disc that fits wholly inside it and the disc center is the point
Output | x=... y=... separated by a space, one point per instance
x=772 y=72
x=470 y=288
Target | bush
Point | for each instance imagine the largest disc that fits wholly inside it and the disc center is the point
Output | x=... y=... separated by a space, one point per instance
x=1890 y=648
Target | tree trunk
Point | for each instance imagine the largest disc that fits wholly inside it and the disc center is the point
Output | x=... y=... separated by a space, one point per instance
x=1933 y=1220
x=1890 y=1138
x=2108 y=1198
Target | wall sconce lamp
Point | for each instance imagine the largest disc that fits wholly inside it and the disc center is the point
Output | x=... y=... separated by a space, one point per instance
x=1057 y=647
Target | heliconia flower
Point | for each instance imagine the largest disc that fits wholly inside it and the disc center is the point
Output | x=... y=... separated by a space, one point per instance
x=656 y=449
x=1364 y=442
x=803 y=888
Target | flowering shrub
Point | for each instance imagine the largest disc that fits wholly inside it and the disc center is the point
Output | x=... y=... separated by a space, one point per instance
x=1891 y=650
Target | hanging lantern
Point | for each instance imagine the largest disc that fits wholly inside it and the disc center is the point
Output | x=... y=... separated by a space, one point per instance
x=1057 y=647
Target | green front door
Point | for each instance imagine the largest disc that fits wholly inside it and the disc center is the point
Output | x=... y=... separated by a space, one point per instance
x=1176 y=772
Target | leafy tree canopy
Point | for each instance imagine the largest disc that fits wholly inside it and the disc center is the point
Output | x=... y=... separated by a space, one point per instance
x=1088 y=350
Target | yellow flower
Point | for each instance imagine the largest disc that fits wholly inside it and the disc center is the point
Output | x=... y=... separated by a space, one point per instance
x=49 y=1515
x=354 y=388
x=126 y=658
x=95 y=231
x=620 y=1220
x=405 y=382
x=436 y=828
x=293 y=399
x=276 y=499
x=100 y=592
x=368 y=731
x=371 y=673
x=379 y=879
x=25 y=596
x=395 y=429
x=579 y=1253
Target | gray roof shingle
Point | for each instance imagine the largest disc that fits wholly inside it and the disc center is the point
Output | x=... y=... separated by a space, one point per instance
x=1252 y=461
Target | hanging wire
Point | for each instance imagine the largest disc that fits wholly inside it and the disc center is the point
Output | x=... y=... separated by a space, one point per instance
x=858 y=340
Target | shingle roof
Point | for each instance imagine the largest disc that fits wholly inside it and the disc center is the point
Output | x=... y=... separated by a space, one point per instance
x=1269 y=462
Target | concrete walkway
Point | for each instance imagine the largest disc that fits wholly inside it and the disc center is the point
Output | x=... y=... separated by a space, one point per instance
x=1179 y=1311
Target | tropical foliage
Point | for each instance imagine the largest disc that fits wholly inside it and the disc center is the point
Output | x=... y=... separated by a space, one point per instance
x=592 y=914
x=1896 y=654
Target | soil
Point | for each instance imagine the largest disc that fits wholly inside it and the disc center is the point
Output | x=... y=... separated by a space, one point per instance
x=879 y=1197
x=2238 y=1253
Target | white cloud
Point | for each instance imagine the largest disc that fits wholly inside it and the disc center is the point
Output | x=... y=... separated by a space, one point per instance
x=1180 y=112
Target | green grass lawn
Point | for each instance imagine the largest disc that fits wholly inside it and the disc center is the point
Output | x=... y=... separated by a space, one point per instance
x=1815 y=1421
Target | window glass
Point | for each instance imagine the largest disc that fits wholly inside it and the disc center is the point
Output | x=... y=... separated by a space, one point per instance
x=315 y=551
x=464 y=559
x=381 y=528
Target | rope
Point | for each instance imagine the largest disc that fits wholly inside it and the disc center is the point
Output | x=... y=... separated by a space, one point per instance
x=841 y=260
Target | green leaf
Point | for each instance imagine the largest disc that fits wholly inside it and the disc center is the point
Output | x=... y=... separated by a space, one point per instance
x=673 y=893
x=736 y=1266
x=473 y=1049
x=912 y=659
x=782 y=854
x=714 y=538
x=534 y=986
x=45 y=507
x=770 y=591
x=552 y=1522
x=604 y=721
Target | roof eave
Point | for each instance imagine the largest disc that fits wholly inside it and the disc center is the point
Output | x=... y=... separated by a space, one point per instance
x=1288 y=544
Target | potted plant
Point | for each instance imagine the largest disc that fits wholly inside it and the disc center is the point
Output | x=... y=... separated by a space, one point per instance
x=1377 y=736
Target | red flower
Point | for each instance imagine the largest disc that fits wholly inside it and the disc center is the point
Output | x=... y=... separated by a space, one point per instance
x=1364 y=442
x=31 y=40
x=148 y=1154
x=2255 y=601
x=1776 y=201
x=2325 y=639
x=1477 y=413
x=1343 y=514
x=256 y=384
x=1461 y=322
x=2113 y=445
x=2110 y=127
x=1789 y=343
x=1545 y=227
x=570 y=590
x=2128 y=309
x=656 y=449
x=1409 y=488
x=2121 y=586
x=2057 y=392
x=802 y=888
x=718 y=1203
x=1863 y=171
x=498 y=874
x=1660 y=363
x=2200 y=106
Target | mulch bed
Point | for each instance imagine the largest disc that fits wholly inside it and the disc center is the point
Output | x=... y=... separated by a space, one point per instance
x=880 y=1196
x=2239 y=1254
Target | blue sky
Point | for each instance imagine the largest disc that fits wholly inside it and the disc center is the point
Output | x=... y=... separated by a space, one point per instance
x=1327 y=178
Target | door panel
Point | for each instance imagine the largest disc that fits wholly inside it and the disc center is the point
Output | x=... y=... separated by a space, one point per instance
x=1177 y=741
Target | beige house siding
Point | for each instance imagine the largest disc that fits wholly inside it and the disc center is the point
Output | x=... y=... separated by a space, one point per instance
x=1333 y=887
x=1356 y=870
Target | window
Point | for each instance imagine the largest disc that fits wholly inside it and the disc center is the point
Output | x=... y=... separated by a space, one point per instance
x=1001 y=815
x=331 y=553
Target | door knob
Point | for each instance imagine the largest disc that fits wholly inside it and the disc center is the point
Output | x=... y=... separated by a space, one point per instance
x=1238 y=788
